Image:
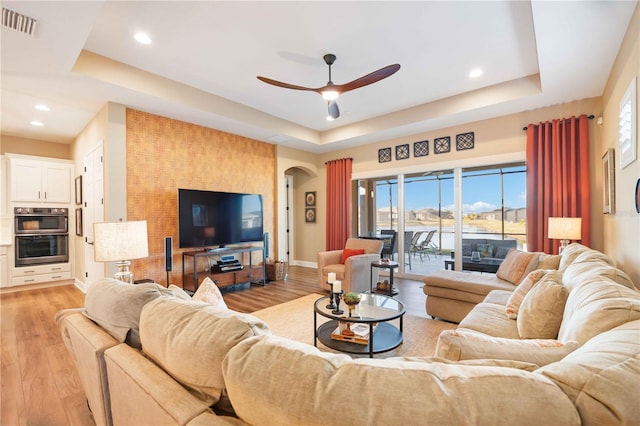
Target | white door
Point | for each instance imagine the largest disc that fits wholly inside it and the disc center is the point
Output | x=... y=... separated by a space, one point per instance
x=93 y=198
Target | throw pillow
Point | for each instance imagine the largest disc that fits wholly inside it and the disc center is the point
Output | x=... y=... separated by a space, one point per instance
x=542 y=309
x=178 y=292
x=548 y=261
x=516 y=266
x=485 y=250
x=466 y=249
x=347 y=253
x=116 y=306
x=516 y=298
x=209 y=293
x=501 y=252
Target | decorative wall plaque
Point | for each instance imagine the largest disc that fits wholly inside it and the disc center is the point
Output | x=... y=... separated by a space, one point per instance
x=384 y=155
x=402 y=151
x=420 y=149
x=310 y=215
x=310 y=199
x=442 y=145
x=464 y=141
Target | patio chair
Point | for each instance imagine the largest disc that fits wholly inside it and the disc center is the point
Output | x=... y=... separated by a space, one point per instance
x=427 y=245
x=390 y=244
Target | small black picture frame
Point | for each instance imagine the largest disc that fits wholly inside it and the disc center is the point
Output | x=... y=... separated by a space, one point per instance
x=421 y=148
x=465 y=141
x=442 y=145
x=79 y=190
x=79 y=222
x=402 y=151
x=310 y=199
x=310 y=215
x=384 y=155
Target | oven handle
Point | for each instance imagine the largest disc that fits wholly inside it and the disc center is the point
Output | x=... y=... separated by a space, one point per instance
x=43 y=234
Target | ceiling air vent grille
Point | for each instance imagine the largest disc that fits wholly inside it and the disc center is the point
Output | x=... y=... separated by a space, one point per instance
x=18 y=22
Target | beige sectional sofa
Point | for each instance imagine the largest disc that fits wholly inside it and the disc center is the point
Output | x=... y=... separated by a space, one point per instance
x=201 y=364
x=452 y=294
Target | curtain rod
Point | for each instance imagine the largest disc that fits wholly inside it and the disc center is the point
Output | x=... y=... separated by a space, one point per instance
x=337 y=159
x=590 y=117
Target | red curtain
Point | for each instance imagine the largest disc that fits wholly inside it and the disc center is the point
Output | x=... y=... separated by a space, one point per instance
x=557 y=179
x=338 y=203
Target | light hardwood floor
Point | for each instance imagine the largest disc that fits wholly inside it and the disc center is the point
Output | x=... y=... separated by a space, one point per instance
x=39 y=383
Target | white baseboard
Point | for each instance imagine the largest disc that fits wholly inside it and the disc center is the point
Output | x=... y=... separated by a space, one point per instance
x=305 y=264
x=80 y=285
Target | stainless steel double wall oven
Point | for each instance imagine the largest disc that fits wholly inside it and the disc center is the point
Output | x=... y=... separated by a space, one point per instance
x=42 y=235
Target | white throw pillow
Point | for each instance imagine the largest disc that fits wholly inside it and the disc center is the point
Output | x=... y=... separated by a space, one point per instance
x=542 y=309
x=517 y=296
x=209 y=293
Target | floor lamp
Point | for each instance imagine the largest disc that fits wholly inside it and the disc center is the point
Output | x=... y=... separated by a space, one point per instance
x=565 y=229
x=120 y=242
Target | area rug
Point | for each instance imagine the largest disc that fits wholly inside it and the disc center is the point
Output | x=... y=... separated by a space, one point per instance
x=294 y=320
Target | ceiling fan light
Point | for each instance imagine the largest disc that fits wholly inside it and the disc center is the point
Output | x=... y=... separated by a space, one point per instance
x=330 y=95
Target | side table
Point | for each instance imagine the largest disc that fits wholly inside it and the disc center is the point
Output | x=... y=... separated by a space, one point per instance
x=390 y=265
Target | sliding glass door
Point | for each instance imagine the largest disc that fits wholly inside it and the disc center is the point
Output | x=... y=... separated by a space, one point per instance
x=421 y=207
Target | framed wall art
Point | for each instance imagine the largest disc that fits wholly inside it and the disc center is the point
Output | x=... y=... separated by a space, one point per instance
x=464 y=141
x=310 y=199
x=310 y=215
x=384 y=155
x=421 y=149
x=79 y=190
x=638 y=196
x=608 y=182
x=402 y=151
x=442 y=145
x=79 y=222
x=627 y=126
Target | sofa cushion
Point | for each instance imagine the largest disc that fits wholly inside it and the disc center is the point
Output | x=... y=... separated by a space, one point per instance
x=347 y=253
x=467 y=249
x=189 y=340
x=595 y=306
x=517 y=296
x=548 y=261
x=579 y=272
x=462 y=285
x=601 y=377
x=485 y=250
x=501 y=252
x=498 y=297
x=516 y=266
x=178 y=292
x=208 y=292
x=489 y=319
x=313 y=386
x=540 y=314
x=115 y=306
x=464 y=344
x=570 y=253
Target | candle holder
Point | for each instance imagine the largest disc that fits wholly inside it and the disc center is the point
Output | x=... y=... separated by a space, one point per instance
x=337 y=310
x=331 y=305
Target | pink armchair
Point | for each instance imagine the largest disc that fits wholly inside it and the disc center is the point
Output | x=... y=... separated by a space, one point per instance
x=355 y=273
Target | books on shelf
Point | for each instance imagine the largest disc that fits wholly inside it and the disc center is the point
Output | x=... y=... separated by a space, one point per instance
x=360 y=333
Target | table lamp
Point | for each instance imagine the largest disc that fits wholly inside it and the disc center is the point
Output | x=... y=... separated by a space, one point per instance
x=565 y=229
x=120 y=242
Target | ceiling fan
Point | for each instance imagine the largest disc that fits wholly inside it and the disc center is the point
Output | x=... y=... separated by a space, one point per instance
x=331 y=91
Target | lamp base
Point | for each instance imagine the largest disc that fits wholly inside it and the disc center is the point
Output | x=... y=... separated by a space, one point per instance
x=124 y=274
x=563 y=245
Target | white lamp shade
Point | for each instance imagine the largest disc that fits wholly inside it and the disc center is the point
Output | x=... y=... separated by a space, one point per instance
x=565 y=228
x=116 y=241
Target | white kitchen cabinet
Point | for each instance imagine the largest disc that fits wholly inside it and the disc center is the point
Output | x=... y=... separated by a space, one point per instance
x=40 y=181
x=4 y=266
x=41 y=274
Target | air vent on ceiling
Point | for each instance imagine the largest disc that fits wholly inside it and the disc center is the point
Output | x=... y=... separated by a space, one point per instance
x=17 y=21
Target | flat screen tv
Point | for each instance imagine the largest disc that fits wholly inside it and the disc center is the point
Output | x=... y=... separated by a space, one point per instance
x=211 y=218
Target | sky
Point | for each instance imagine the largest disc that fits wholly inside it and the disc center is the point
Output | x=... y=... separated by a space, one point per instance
x=479 y=193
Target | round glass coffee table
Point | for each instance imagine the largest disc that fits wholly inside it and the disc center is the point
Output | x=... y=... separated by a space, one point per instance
x=373 y=312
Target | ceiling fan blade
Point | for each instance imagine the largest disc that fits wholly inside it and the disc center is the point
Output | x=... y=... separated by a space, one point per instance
x=367 y=79
x=285 y=85
x=334 y=111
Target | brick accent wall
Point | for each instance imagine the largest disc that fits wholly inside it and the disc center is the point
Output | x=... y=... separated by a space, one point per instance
x=165 y=154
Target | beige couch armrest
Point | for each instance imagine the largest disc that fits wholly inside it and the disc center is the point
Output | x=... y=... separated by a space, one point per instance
x=459 y=344
x=359 y=267
x=143 y=394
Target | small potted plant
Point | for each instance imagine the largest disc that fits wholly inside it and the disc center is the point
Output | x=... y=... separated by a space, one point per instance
x=351 y=299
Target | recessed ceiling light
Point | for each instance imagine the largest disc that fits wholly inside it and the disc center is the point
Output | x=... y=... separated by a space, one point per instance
x=42 y=107
x=330 y=118
x=142 y=38
x=475 y=73
x=37 y=123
